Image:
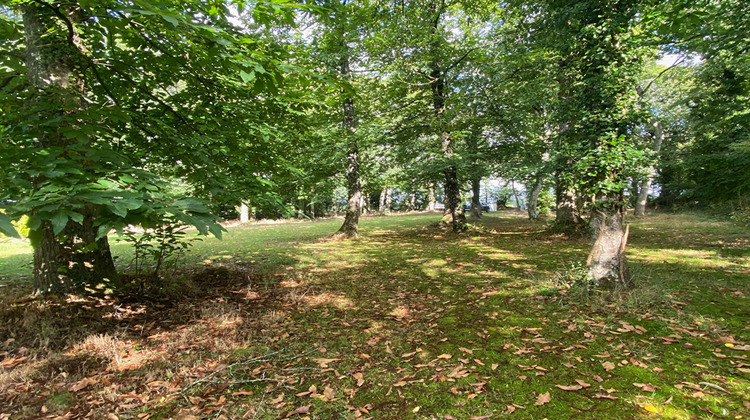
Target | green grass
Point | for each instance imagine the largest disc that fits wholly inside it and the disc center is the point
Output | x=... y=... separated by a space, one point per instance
x=393 y=306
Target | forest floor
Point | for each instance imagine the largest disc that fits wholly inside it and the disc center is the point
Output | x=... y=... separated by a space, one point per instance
x=411 y=321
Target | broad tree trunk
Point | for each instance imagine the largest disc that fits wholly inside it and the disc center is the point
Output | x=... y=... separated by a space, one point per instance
x=606 y=262
x=532 y=196
x=388 y=200
x=476 y=206
x=50 y=263
x=79 y=258
x=640 y=204
x=431 y=202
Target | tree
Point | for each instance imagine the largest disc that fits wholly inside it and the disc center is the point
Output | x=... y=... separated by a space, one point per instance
x=597 y=41
x=95 y=92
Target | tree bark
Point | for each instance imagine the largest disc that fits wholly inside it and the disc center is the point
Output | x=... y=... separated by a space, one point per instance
x=244 y=213
x=76 y=258
x=640 y=205
x=381 y=201
x=350 y=227
x=567 y=211
x=606 y=263
x=453 y=213
x=515 y=194
x=533 y=197
x=388 y=199
x=476 y=206
x=431 y=202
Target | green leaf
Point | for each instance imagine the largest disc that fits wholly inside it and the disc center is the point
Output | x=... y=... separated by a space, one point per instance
x=192 y=205
x=171 y=20
x=59 y=221
x=247 y=77
x=6 y=227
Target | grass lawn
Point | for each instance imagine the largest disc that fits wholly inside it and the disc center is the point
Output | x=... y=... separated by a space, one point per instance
x=409 y=322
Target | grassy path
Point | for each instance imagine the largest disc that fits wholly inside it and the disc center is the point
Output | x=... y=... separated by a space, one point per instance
x=409 y=322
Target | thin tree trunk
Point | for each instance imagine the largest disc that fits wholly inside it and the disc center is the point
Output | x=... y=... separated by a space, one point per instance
x=533 y=197
x=453 y=213
x=515 y=194
x=244 y=213
x=388 y=200
x=640 y=205
x=412 y=203
x=476 y=206
x=364 y=203
x=606 y=263
x=381 y=201
x=431 y=202
x=350 y=227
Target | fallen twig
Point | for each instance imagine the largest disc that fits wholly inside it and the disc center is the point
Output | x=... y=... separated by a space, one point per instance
x=716 y=387
x=260 y=359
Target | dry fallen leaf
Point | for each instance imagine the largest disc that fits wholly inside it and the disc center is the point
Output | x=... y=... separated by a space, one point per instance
x=302 y=410
x=645 y=387
x=743 y=348
x=360 y=378
x=605 y=397
x=543 y=399
x=12 y=362
x=608 y=366
x=569 y=387
x=329 y=393
x=323 y=363
x=445 y=356
x=583 y=383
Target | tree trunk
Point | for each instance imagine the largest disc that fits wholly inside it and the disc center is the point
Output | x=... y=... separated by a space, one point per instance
x=533 y=197
x=606 y=262
x=50 y=263
x=350 y=227
x=364 y=203
x=567 y=212
x=454 y=211
x=388 y=200
x=640 y=205
x=431 y=202
x=92 y=264
x=78 y=259
x=412 y=204
x=476 y=206
x=381 y=201
x=244 y=213
x=515 y=194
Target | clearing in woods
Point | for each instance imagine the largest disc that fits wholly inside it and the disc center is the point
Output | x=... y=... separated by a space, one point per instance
x=411 y=321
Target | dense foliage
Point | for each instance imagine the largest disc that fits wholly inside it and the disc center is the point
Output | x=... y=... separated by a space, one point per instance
x=159 y=113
